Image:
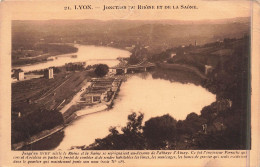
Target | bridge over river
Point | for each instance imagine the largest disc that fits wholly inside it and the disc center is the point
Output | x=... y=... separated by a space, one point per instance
x=126 y=68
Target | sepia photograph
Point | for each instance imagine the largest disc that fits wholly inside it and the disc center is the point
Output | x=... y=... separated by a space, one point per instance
x=130 y=84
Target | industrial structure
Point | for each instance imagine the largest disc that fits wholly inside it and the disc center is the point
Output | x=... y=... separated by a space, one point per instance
x=101 y=90
x=48 y=73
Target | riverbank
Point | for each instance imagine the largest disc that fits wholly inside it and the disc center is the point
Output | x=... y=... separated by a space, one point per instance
x=31 y=97
x=37 y=102
x=98 y=95
x=31 y=57
x=182 y=67
x=140 y=93
x=203 y=124
x=70 y=111
x=37 y=137
x=75 y=109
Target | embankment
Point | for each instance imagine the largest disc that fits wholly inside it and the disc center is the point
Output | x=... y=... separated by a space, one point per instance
x=181 y=67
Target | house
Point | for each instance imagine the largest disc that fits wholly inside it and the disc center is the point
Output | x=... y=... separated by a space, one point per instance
x=208 y=69
x=19 y=74
x=173 y=54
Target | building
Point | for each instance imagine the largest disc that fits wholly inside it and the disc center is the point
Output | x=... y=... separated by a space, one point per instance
x=92 y=97
x=173 y=54
x=97 y=95
x=208 y=69
x=101 y=90
x=48 y=73
x=19 y=74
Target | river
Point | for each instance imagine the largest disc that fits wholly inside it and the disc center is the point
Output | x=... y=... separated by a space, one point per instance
x=86 y=53
x=153 y=97
x=143 y=93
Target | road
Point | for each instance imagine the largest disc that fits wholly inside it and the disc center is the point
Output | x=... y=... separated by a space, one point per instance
x=75 y=99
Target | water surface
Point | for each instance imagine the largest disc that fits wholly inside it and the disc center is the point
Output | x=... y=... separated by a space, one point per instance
x=86 y=53
x=153 y=97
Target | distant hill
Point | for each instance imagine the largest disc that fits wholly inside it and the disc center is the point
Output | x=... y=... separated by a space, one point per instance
x=158 y=34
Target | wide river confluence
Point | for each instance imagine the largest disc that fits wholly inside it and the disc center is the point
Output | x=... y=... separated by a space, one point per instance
x=142 y=93
x=153 y=97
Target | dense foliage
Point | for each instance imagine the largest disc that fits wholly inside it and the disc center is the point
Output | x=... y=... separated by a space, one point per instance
x=131 y=139
x=33 y=123
x=101 y=70
x=162 y=132
x=225 y=124
x=139 y=53
x=231 y=80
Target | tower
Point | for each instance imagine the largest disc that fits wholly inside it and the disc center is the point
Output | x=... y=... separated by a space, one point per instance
x=48 y=73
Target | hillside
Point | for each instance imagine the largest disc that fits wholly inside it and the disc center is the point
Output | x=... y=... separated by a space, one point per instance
x=159 y=34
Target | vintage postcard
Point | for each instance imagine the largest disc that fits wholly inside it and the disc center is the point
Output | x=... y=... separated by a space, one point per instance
x=129 y=83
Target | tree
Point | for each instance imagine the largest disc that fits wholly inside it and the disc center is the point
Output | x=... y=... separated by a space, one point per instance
x=139 y=53
x=130 y=139
x=134 y=124
x=159 y=131
x=193 y=123
x=101 y=70
x=33 y=123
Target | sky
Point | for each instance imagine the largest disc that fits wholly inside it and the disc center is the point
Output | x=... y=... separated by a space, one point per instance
x=44 y=10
